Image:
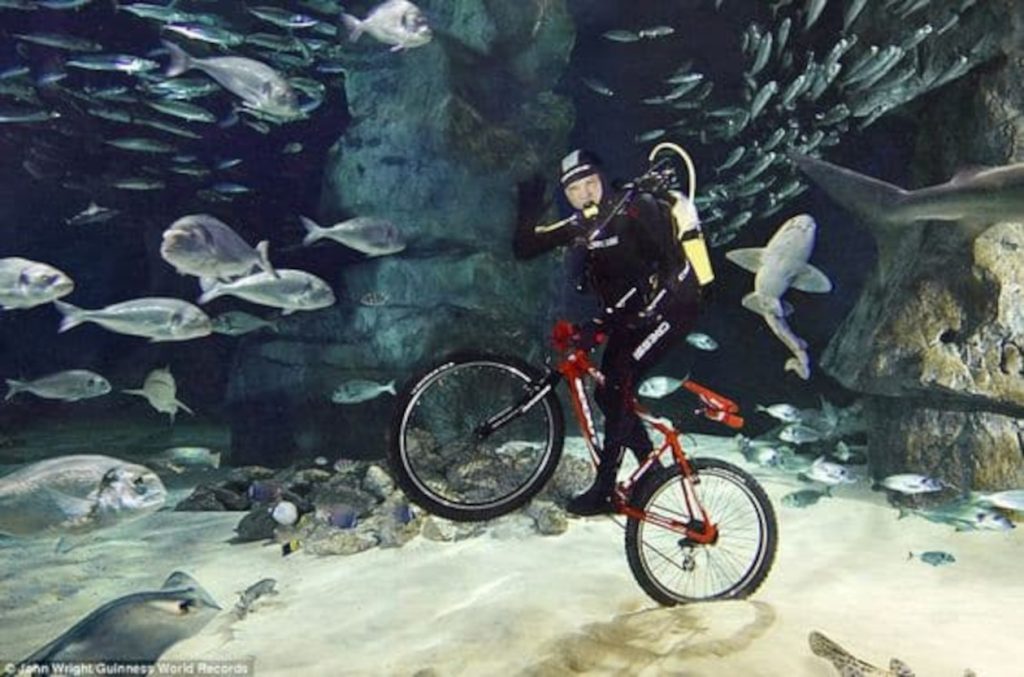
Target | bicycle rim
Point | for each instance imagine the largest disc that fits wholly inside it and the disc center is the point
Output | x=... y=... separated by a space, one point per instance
x=450 y=466
x=733 y=566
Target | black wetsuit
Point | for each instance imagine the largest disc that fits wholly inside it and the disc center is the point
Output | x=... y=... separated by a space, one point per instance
x=635 y=267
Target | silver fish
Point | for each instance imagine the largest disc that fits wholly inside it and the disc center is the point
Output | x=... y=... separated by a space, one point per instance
x=25 y=283
x=656 y=32
x=141 y=145
x=963 y=515
x=201 y=245
x=237 y=323
x=162 y=13
x=619 y=35
x=912 y=7
x=23 y=115
x=853 y=10
x=735 y=155
x=112 y=114
x=933 y=557
x=795 y=89
x=395 y=22
x=373 y=237
x=137 y=183
x=786 y=413
x=685 y=78
x=764 y=50
x=887 y=58
x=92 y=214
x=70 y=386
x=275 y=42
x=649 y=135
x=812 y=10
x=1012 y=499
x=361 y=390
x=187 y=457
x=76 y=493
x=833 y=115
x=805 y=497
x=291 y=290
x=124 y=63
x=912 y=483
x=183 y=89
x=657 y=387
x=134 y=629
x=823 y=77
x=745 y=188
x=156 y=318
x=701 y=341
x=209 y=34
x=60 y=41
x=260 y=87
x=282 y=17
x=741 y=219
x=761 y=98
x=839 y=49
x=796 y=433
x=782 y=35
x=829 y=473
x=847 y=453
x=760 y=165
x=862 y=62
x=958 y=68
x=874 y=74
x=598 y=86
x=774 y=139
x=183 y=110
x=917 y=37
x=948 y=24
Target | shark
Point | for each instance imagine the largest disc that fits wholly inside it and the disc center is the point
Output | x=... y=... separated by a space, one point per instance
x=848 y=665
x=137 y=628
x=778 y=266
x=990 y=194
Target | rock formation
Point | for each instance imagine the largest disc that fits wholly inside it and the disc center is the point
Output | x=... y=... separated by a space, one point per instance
x=937 y=336
x=440 y=136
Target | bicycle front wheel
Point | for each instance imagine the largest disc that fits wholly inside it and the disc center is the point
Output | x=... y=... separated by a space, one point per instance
x=674 y=570
x=443 y=462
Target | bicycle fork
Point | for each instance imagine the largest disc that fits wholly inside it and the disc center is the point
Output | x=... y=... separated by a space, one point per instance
x=535 y=392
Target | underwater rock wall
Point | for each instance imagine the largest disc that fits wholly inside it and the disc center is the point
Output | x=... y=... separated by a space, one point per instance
x=440 y=136
x=940 y=324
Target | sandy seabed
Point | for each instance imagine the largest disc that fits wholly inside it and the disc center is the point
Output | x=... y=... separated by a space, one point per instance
x=511 y=602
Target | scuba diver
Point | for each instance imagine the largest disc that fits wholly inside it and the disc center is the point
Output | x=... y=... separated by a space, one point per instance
x=644 y=257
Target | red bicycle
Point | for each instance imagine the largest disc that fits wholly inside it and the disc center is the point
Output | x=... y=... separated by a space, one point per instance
x=478 y=435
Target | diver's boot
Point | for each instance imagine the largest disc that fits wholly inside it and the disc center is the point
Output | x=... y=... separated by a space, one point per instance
x=597 y=500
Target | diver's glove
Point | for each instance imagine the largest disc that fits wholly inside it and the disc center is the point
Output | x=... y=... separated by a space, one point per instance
x=531 y=204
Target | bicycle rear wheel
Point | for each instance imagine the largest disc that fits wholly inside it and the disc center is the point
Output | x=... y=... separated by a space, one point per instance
x=672 y=570
x=444 y=465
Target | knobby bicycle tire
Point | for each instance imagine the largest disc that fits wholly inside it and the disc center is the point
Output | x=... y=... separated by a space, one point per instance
x=656 y=554
x=432 y=477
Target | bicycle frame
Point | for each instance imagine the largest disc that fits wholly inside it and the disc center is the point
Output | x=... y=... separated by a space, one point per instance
x=576 y=368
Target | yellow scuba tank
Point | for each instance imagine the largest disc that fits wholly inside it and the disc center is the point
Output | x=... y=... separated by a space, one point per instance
x=685 y=219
